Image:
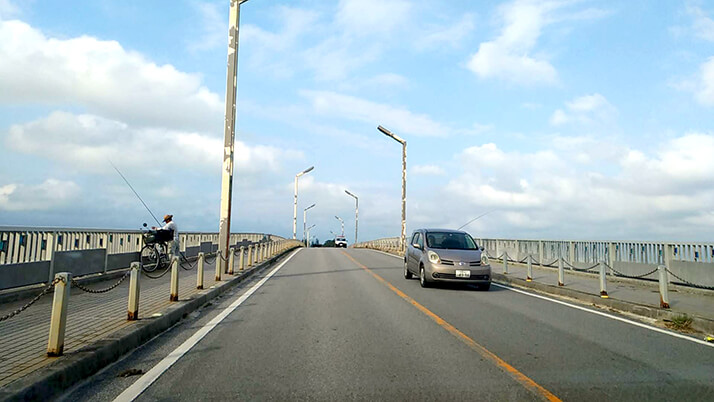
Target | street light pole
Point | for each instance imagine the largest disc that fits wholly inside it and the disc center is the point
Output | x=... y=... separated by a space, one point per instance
x=308 y=235
x=356 y=212
x=304 y=220
x=296 y=196
x=229 y=133
x=403 y=238
x=343 y=225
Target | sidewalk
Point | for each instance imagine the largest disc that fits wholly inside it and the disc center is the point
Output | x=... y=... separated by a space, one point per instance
x=91 y=317
x=696 y=303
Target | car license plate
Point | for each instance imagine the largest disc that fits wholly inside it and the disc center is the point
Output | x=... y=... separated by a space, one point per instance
x=463 y=273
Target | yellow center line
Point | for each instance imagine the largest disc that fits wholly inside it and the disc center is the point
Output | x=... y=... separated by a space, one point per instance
x=521 y=378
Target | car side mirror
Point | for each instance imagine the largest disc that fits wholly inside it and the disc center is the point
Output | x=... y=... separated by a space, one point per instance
x=417 y=246
x=481 y=248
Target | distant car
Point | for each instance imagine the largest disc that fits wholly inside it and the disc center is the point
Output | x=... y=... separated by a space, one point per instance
x=340 y=241
x=441 y=255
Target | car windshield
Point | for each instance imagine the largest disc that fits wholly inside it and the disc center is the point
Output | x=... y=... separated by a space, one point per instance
x=454 y=241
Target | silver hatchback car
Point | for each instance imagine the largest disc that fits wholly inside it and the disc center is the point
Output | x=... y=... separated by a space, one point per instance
x=441 y=255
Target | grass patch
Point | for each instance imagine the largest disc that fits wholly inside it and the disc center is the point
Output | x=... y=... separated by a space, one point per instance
x=681 y=322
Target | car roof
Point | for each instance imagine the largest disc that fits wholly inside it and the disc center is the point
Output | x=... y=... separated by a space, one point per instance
x=442 y=230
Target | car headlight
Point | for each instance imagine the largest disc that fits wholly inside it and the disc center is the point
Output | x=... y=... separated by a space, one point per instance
x=484 y=259
x=433 y=257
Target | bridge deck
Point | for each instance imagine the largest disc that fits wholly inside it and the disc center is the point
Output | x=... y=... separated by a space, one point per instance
x=23 y=338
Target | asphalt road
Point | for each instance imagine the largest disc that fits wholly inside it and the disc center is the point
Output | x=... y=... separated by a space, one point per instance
x=325 y=328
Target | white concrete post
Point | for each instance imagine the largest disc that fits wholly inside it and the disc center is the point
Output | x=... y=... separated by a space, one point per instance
x=241 y=261
x=133 y=305
x=218 y=268
x=603 y=283
x=663 y=287
x=55 y=344
x=199 y=275
x=529 y=275
x=250 y=255
x=505 y=262
x=174 y=279
x=561 y=272
x=231 y=260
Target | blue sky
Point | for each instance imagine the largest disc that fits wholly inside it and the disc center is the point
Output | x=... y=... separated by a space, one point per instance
x=565 y=118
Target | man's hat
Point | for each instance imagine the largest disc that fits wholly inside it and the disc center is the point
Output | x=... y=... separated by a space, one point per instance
x=168 y=217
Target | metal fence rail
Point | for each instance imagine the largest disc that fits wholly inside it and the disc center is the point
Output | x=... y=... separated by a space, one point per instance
x=690 y=264
x=31 y=255
x=693 y=263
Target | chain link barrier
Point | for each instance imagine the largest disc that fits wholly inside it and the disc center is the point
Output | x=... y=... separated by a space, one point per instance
x=689 y=283
x=97 y=291
x=146 y=273
x=574 y=268
x=33 y=301
x=183 y=262
x=618 y=273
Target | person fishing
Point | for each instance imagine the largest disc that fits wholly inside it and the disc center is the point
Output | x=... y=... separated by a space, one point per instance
x=170 y=225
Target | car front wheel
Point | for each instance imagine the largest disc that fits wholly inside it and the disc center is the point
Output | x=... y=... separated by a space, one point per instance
x=407 y=274
x=422 y=277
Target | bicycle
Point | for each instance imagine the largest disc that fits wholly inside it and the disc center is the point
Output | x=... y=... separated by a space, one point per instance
x=154 y=254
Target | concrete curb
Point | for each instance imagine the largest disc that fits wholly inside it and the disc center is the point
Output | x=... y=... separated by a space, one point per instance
x=49 y=381
x=698 y=323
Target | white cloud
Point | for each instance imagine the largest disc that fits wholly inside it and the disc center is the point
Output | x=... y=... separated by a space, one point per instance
x=400 y=120
x=51 y=194
x=702 y=24
x=213 y=26
x=450 y=34
x=586 y=109
x=8 y=9
x=704 y=90
x=81 y=141
x=371 y=17
x=511 y=57
x=507 y=56
x=476 y=129
x=102 y=77
x=428 y=170
x=666 y=194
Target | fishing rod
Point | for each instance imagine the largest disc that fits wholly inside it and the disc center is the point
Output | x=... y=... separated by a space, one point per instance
x=135 y=193
x=480 y=216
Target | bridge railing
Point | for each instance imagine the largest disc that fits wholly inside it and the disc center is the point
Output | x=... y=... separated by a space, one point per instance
x=387 y=244
x=31 y=255
x=688 y=263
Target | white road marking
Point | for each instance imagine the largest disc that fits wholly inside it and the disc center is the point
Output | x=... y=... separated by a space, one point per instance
x=614 y=317
x=152 y=375
x=575 y=306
